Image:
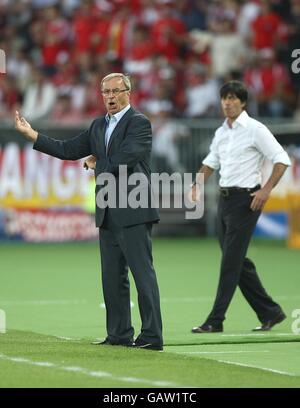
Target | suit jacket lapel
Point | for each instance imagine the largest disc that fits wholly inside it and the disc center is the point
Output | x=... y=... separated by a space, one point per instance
x=124 y=118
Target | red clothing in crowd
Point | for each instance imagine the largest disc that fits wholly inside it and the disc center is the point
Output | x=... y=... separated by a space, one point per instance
x=142 y=51
x=100 y=35
x=134 y=5
x=83 y=26
x=50 y=52
x=265 y=81
x=166 y=33
x=266 y=29
x=56 y=40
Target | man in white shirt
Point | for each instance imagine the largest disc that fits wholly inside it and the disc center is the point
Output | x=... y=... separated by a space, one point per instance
x=238 y=149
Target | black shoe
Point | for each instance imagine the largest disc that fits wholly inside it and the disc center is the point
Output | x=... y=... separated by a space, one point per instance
x=147 y=346
x=207 y=328
x=107 y=342
x=266 y=326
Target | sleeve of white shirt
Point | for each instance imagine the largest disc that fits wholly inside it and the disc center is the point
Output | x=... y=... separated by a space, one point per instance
x=266 y=143
x=212 y=160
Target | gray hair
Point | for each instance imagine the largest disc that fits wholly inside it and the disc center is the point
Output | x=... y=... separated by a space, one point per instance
x=125 y=78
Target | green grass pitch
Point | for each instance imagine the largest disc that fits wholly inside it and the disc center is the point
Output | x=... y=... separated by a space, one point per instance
x=52 y=298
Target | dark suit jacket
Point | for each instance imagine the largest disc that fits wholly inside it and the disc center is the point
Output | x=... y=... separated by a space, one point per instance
x=130 y=144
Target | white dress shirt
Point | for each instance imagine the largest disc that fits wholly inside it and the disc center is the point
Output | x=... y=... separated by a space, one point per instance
x=239 y=152
x=112 y=122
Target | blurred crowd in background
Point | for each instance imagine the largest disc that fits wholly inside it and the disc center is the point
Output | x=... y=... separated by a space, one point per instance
x=177 y=54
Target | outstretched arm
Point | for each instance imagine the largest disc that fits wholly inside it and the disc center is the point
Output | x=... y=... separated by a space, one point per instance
x=71 y=149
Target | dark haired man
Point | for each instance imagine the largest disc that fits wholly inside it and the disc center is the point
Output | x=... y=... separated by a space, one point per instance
x=238 y=149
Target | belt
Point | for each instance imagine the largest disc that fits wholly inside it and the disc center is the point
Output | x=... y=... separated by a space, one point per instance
x=227 y=191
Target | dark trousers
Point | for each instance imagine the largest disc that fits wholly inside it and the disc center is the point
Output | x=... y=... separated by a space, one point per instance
x=123 y=248
x=236 y=223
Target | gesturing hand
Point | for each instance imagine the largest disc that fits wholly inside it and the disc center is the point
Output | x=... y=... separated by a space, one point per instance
x=25 y=128
x=90 y=163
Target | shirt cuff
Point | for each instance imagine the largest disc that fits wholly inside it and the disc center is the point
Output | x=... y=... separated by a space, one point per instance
x=210 y=164
x=283 y=158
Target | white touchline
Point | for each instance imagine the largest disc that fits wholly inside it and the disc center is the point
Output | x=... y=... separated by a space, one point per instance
x=187 y=299
x=257 y=334
x=90 y=373
x=102 y=305
x=80 y=301
x=222 y=352
x=210 y=298
x=287 y=297
x=257 y=367
x=43 y=302
x=67 y=338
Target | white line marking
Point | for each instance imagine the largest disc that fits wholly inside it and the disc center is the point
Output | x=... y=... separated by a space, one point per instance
x=102 y=305
x=258 y=367
x=222 y=352
x=258 y=334
x=43 y=302
x=211 y=298
x=287 y=297
x=188 y=299
x=67 y=338
x=90 y=373
x=44 y=364
x=80 y=301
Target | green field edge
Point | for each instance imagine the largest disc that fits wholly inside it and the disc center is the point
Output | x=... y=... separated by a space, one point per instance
x=206 y=372
x=265 y=339
x=246 y=341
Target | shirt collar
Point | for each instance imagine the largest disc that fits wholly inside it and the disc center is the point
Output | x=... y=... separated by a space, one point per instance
x=117 y=116
x=242 y=120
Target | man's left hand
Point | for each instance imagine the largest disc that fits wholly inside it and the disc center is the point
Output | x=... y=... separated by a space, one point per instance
x=260 y=198
x=90 y=163
x=194 y=194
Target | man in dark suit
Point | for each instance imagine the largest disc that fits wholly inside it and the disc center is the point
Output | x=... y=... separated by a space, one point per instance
x=123 y=137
